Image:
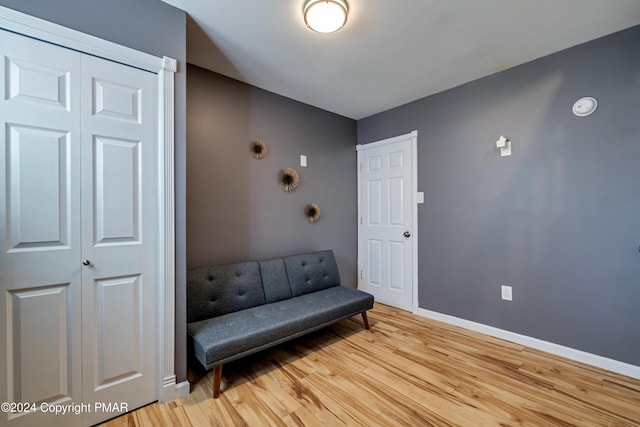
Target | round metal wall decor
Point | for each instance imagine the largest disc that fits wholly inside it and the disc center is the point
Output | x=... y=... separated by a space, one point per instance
x=258 y=149
x=312 y=212
x=288 y=179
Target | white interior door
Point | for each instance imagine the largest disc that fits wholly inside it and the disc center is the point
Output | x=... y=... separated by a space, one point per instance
x=78 y=181
x=387 y=231
x=40 y=314
x=119 y=234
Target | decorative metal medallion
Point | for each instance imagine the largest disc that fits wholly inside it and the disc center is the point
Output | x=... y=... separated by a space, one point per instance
x=288 y=179
x=312 y=212
x=258 y=149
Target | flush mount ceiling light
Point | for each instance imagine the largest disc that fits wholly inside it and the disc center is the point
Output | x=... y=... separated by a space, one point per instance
x=325 y=16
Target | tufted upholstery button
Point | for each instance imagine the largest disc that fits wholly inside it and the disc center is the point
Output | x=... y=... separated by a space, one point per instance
x=320 y=259
x=304 y=263
x=210 y=278
x=238 y=274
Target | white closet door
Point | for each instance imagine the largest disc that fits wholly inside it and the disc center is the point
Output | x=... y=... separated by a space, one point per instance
x=78 y=183
x=40 y=315
x=119 y=234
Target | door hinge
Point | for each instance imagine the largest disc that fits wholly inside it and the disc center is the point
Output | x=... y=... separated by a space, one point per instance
x=362 y=274
x=360 y=220
x=360 y=166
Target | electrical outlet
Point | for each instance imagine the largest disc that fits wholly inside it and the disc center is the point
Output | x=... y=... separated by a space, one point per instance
x=303 y=160
x=506 y=293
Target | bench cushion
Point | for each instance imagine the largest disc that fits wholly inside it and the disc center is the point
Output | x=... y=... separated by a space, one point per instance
x=221 y=289
x=235 y=335
x=311 y=272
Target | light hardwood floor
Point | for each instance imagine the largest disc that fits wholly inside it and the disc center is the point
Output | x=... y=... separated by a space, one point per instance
x=405 y=371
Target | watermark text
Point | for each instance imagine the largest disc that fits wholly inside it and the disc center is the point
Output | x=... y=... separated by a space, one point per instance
x=64 y=408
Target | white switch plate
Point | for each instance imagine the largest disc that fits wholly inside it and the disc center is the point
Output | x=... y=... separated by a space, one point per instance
x=420 y=197
x=506 y=293
x=303 y=160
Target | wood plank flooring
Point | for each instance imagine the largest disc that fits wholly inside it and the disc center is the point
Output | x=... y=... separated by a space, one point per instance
x=405 y=371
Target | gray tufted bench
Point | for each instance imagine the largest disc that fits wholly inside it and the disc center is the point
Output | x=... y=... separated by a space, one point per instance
x=234 y=310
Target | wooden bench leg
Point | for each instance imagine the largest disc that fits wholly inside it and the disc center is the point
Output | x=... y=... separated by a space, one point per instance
x=217 y=375
x=365 y=319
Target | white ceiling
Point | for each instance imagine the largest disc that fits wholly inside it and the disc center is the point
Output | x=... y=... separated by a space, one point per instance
x=391 y=51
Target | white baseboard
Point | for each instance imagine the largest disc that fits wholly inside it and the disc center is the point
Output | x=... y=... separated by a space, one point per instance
x=172 y=391
x=616 y=366
x=183 y=389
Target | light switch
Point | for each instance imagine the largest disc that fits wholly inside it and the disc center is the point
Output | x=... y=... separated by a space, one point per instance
x=303 y=160
x=420 y=197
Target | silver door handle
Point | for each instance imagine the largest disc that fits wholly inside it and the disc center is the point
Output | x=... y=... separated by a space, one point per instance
x=86 y=262
x=407 y=234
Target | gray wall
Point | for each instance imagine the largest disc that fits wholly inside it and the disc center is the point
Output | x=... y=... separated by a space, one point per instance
x=235 y=209
x=159 y=29
x=559 y=220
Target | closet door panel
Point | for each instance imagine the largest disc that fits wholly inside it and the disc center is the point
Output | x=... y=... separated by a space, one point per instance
x=119 y=233
x=40 y=276
x=117 y=191
x=31 y=380
x=38 y=188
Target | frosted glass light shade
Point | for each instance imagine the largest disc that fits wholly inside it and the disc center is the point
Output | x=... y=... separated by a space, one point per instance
x=325 y=16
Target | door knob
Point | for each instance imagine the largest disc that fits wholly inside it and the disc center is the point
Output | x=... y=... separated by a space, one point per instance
x=407 y=234
x=86 y=262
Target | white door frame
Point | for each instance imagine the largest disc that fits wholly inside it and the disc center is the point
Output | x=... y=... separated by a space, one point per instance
x=414 y=207
x=165 y=68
